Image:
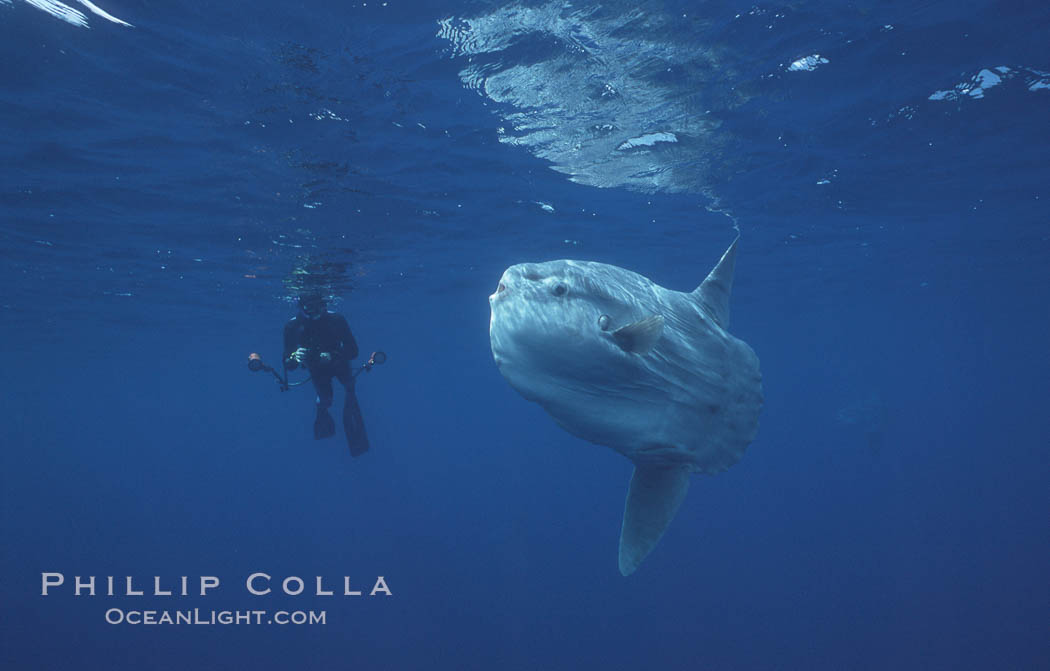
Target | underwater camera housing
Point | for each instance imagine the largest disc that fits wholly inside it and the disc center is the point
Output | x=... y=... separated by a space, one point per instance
x=255 y=363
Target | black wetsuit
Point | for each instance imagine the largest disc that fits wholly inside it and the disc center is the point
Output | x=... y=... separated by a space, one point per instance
x=329 y=333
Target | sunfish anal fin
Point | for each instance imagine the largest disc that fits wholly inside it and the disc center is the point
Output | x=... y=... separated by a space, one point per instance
x=640 y=336
x=653 y=498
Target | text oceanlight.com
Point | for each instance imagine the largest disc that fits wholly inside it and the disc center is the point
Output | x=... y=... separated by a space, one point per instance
x=211 y=617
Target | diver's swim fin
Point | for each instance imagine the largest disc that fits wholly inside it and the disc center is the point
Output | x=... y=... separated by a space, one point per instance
x=324 y=425
x=354 y=424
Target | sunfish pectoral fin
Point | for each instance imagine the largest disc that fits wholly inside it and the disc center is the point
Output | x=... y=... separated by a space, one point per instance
x=640 y=336
x=713 y=293
x=653 y=498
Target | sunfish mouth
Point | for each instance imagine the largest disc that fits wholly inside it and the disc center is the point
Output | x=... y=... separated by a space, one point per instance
x=501 y=291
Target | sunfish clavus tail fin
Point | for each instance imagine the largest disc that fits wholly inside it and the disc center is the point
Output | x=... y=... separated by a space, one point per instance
x=653 y=498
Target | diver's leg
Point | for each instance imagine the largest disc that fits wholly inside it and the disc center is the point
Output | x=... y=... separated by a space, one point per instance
x=324 y=425
x=353 y=422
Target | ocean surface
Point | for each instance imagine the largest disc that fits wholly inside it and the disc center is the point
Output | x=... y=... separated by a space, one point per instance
x=174 y=174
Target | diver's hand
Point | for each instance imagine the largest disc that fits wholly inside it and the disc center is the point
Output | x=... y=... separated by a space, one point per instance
x=297 y=357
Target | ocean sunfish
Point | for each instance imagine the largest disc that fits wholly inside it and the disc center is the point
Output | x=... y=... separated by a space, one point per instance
x=620 y=361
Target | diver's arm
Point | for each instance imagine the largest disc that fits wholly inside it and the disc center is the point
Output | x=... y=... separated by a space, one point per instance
x=349 y=345
x=291 y=344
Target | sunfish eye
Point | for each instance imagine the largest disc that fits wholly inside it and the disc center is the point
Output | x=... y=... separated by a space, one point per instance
x=559 y=290
x=603 y=322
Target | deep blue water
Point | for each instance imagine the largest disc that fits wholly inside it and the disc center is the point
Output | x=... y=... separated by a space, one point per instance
x=167 y=188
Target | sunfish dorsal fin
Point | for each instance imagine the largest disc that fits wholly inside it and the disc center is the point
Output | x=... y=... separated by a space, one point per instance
x=653 y=498
x=640 y=336
x=713 y=292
